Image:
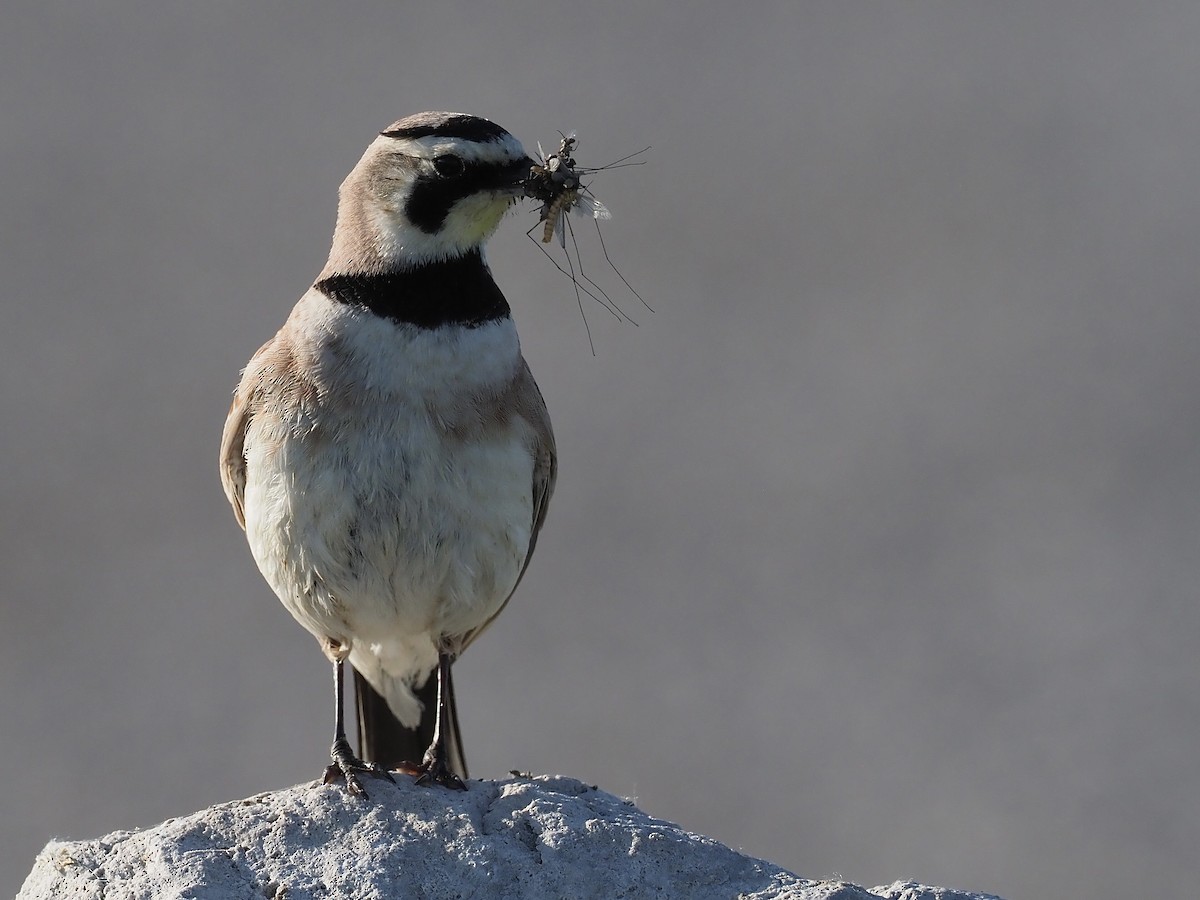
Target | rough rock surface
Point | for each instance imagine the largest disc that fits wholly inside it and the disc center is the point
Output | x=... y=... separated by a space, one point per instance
x=546 y=837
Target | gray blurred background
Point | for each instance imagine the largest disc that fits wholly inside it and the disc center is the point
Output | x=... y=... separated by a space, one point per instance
x=874 y=550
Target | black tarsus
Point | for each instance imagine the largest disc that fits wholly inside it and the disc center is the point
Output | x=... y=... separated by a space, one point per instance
x=346 y=766
x=439 y=762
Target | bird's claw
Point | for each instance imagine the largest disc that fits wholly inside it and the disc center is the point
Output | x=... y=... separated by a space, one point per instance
x=345 y=767
x=440 y=773
x=433 y=771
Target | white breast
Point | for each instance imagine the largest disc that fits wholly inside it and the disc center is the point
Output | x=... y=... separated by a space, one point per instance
x=374 y=518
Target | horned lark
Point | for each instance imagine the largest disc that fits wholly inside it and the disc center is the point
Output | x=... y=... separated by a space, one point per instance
x=388 y=452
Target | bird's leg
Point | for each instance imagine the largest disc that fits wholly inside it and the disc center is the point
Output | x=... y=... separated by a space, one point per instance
x=435 y=766
x=345 y=763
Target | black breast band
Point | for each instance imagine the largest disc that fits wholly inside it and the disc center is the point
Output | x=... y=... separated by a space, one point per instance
x=457 y=291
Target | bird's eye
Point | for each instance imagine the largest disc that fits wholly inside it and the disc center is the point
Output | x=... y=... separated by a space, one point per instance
x=448 y=165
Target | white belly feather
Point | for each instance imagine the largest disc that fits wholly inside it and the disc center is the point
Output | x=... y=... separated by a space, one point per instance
x=377 y=525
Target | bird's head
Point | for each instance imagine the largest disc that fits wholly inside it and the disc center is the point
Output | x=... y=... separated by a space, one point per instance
x=432 y=186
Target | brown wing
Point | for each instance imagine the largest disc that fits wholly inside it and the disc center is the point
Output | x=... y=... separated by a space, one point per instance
x=527 y=400
x=233 y=438
x=545 y=467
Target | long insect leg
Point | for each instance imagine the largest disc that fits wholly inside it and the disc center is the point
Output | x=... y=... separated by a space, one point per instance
x=618 y=271
x=579 y=303
x=621 y=163
x=571 y=274
x=575 y=283
x=611 y=304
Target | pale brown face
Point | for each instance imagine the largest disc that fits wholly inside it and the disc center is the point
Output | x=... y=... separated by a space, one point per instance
x=449 y=178
x=431 y=187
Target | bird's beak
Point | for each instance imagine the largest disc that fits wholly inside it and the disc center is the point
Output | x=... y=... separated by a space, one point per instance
x=517 y=175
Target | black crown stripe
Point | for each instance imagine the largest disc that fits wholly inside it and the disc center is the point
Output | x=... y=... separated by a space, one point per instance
x=469 y=128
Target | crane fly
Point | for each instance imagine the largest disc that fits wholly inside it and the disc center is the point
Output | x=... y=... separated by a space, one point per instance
x=556 y=183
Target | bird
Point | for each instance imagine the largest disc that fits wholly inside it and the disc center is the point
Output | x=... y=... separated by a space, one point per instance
x=388 y=452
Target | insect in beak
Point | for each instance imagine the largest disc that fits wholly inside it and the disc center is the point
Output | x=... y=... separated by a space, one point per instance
x=556 y=184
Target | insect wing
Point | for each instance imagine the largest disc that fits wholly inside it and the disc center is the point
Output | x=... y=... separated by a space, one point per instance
x=586 y=204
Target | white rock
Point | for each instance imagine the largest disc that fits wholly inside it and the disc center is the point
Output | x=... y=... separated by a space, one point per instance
x=533 y=838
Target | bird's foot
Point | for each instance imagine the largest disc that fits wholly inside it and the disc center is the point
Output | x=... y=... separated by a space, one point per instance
x=346 y=766
x=438 y=772
x=433 y=769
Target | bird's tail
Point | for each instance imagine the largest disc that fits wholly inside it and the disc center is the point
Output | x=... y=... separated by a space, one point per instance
x=383 y=739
